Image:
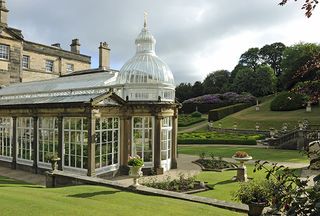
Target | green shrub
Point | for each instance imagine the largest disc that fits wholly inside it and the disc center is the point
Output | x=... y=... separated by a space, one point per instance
x=220 y=113
x=287 y=101
x=196 y=114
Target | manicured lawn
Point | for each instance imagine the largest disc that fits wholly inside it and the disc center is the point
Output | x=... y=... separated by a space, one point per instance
x=18 y=198
x=222 y=183
x=247 y=119
x=274 y=155
x=224 y=186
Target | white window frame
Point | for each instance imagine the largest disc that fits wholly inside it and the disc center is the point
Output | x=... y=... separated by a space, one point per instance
x=42 y=163
x=70 y=68
x=5 y=136
x=166 y=131
x=133 y=150
x=82 y=142
x=100 y=130
x=4 y=52
x=21 y=137
x=49 y=65
x=26 y=62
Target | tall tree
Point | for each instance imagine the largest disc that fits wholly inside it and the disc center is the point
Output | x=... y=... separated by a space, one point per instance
x=184 y=91
x=197 y=89
x=296 y=63
x=259 y=82
x=250 y=58
x=308 y=6
x=217 y=82
x=272 y=55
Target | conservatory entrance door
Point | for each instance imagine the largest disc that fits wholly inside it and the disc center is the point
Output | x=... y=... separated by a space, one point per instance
x=142 y=139
x=166 y=143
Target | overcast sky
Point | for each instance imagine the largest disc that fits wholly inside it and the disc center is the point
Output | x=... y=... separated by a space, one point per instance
x=194 y=37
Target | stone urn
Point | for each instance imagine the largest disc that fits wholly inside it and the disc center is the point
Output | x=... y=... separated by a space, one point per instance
x=242 y=160
x=242 y=169
x=135 y=172
x=54 y=163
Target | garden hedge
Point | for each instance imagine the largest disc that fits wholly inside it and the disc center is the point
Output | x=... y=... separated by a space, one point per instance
x=203 y=108
x=220 y=113
x=287 y=101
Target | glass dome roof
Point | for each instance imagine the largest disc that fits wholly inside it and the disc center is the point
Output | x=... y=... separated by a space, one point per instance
x=145 y=66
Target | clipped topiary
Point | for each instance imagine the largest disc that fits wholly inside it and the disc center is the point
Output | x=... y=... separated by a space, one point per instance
x=196 y=114
x=287 y=101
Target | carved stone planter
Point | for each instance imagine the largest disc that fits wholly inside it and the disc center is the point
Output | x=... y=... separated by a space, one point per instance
x=54 y=164
x=135 y=173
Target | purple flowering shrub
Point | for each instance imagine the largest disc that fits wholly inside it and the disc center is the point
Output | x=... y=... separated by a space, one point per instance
x=226 y=98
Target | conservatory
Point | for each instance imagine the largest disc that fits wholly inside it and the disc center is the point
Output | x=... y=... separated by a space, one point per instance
x=93 y=120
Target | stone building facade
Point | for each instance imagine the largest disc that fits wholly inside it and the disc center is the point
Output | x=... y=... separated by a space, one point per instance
x=24 y=61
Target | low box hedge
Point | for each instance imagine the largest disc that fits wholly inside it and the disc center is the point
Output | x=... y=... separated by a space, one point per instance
x=213 y=141
x=220 y=113
x=218 y=138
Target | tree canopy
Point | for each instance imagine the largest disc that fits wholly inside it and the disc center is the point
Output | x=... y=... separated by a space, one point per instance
x=250 y=58
x=272 y=55
x=259 y=82
x=217 y=82
x=299 y=64
x=308 y=6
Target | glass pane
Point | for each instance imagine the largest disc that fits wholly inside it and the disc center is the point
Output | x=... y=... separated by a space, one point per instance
x=163 y=155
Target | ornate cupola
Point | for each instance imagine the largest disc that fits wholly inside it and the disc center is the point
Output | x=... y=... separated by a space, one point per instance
x=145 y=76
x=3 y=13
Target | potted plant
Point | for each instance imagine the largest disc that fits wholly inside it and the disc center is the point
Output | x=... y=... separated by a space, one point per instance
x=135 y=164
x=53 y=158
x=256 y=194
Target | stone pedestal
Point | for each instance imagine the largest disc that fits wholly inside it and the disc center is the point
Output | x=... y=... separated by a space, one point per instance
x=50 y=180
x=242 y=174
x=242 y=169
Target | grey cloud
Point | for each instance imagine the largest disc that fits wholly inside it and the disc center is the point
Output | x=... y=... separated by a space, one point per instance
x=176 y=24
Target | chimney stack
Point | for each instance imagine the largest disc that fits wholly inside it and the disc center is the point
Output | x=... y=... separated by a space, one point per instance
x=104 y=56
x=58 y=45
x=3 y=13
x=75 y=46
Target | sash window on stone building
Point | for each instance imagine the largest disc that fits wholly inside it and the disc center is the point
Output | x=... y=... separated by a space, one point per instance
x=4 y=52
x=49 y=66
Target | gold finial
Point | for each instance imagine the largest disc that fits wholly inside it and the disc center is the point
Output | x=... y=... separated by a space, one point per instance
x=145 y=19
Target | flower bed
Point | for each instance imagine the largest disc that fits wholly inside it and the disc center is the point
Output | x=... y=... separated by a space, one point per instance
x=215 y=165
x=183 y=184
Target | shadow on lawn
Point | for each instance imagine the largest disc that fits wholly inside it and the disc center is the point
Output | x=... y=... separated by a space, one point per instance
x=221 y=183
x=88 y=195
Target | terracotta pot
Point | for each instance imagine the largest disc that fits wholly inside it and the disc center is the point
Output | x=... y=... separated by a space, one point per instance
x=256 y=209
